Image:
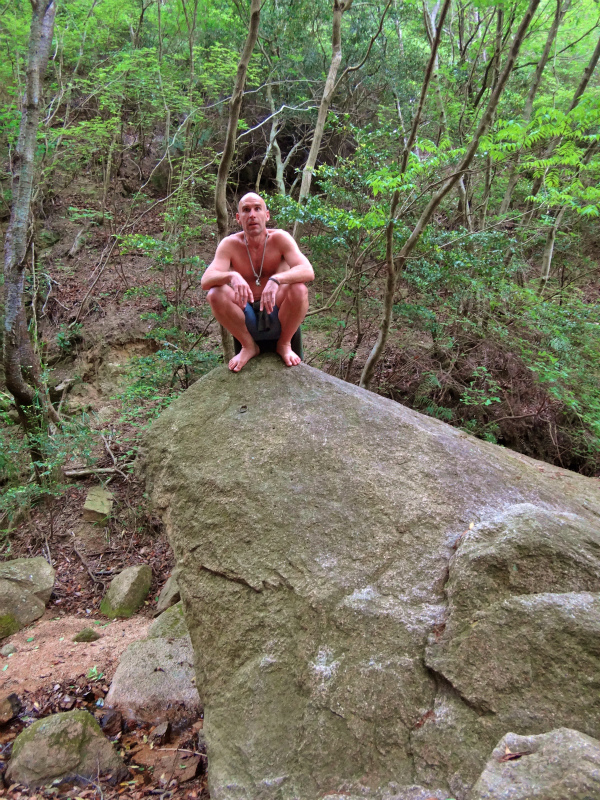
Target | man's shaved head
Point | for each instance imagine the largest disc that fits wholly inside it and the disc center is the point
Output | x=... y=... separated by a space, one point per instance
x=252 y=197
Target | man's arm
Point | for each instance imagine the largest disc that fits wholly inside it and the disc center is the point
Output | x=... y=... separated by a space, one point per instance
x=219 y=273
x=300 y=269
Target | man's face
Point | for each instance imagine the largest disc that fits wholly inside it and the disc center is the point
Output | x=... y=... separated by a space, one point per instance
x=252 y=214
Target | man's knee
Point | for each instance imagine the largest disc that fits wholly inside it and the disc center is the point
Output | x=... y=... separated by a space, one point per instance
x=297 y=293
x=218 y=296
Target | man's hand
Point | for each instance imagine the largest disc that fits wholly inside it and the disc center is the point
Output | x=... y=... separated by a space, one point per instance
x=267 y=298
x=242 y=293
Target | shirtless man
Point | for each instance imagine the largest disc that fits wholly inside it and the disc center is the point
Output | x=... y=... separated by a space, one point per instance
x=258 y=265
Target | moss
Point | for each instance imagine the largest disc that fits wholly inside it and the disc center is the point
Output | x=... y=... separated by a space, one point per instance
x=127 y=592
x=67 y=731
x=170 y=624
x=8 y=624
x=86 y=635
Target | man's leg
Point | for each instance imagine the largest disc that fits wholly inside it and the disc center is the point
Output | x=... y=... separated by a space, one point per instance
x=292 y=301
x=232 y=317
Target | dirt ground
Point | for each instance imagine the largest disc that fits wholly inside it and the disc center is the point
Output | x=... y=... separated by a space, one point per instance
x=50 y=673
x=46 y=653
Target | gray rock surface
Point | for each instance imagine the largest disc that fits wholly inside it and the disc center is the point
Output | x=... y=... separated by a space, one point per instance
x=522 y=639
x=170 y=625
x=155 y=682
x=560 y=765
x=169 y=595
x=69 y=745
x=33 y=574
x=18 y=607
x=127 y=592
x=314 y=526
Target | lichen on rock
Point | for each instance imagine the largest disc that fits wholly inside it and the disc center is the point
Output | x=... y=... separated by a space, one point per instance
x=35 y=575
x=127 y=592
x=18 y=607
x=69 y=745
x=170 y=624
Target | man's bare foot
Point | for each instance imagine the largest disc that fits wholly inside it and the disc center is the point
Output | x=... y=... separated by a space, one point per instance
x=290 y=359
x=243 y=357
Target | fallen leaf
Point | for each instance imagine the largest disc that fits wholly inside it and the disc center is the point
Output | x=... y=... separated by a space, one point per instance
x=513 y=756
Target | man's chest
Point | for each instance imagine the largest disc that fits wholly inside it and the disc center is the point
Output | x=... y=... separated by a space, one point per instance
x=252 y=264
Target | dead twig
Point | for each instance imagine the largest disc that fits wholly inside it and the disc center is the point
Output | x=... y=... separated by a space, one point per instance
x=89 y=569
x=108 y=450
x=180 y=750
x=82 y=473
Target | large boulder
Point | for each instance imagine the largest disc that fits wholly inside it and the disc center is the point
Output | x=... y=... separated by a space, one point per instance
x=155 y=682
x=69 y=745
x=336 y=555
x=35 y=575
x=557 y=765
x=127 y=592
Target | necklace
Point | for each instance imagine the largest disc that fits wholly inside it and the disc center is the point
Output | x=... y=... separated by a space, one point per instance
x=259 y=274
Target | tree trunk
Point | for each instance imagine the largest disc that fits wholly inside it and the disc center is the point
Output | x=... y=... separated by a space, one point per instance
x=391 y=271
x=273 y=144
x=336 y=57
x=551 y=238
x=585 y=79
x=465 y=206
x=431 y=28
x=549 y=250
x=483 y=127
x=235 y=105
x=513 y=177
x=20 y=364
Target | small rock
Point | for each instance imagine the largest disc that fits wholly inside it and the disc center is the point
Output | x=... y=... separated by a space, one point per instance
x=69 y=745
x=98 y=504
x=561 y=764
x=154 y=682
x=170 y=625
x=168 y=596
x=86 y=635
x=127 y=592
x=111 y=722
x=33 y=574
x=161 y=734
x=10 y=706
x=8 y=650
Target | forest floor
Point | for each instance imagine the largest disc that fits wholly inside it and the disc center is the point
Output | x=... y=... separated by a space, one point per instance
x=48 y=671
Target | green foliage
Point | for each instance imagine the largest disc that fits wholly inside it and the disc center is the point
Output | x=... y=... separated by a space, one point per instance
x=483 y=390
x=31 y=465
x=68 y=336
x=155 y=380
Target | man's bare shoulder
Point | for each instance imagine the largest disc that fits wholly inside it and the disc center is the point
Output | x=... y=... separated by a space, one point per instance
x=279 y=237
x=232 y=240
